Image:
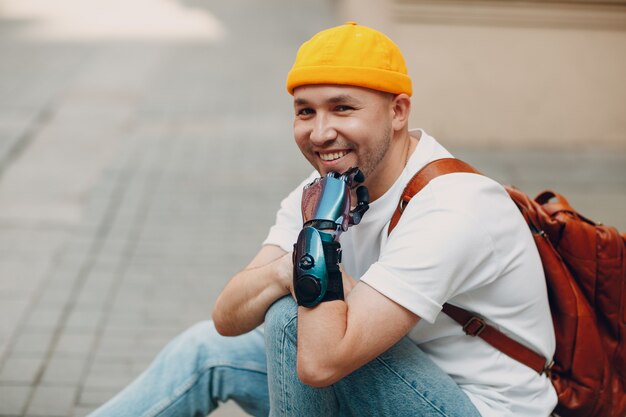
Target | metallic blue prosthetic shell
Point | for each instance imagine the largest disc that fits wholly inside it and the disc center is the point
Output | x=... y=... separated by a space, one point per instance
x=326 y=211
x=326 y=202
x=334 y=202
x=310 y=272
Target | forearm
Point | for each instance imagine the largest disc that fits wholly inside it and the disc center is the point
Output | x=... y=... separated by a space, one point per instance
x=242 y=305
x=337 y=337
x=321 y=330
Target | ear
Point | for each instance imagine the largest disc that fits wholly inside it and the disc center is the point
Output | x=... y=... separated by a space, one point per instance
x=401 y=107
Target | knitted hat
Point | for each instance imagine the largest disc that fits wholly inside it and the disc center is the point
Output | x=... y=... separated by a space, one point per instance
x=351 y=55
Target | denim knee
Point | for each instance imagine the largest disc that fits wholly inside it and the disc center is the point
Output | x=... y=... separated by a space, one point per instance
x=280 y=320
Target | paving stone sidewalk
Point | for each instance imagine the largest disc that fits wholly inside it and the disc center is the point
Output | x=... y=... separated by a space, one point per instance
x=136 y=178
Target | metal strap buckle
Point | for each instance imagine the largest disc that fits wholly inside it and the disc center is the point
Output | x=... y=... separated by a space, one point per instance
x=474 y=326
x=548 y=369
x=402 y=204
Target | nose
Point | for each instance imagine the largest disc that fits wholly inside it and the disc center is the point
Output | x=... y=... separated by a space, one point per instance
x=322 y=130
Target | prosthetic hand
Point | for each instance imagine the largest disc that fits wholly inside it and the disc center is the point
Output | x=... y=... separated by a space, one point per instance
x=326 y=210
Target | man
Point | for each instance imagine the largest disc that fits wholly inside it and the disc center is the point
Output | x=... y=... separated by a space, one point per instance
x=385 y=349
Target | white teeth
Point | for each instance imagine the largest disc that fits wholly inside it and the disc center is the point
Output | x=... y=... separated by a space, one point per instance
x=332 y=156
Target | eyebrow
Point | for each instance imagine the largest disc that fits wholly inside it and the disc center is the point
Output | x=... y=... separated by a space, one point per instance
x=341 y=98
x=300 y=102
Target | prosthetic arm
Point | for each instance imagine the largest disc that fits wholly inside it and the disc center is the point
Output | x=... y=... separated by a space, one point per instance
x=326 y=210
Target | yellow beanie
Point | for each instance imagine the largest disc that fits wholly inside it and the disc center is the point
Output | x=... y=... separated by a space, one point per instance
x=352 y=55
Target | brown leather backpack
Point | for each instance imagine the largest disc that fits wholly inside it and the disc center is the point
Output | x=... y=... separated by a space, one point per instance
x=585 y=268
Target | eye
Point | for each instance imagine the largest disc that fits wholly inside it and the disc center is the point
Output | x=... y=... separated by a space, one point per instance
x=305 y=111
x=343 y=108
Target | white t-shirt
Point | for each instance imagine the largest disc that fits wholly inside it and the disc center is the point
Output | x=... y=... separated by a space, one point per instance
x=460 y=240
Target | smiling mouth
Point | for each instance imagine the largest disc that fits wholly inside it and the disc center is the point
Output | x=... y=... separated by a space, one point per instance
x=332 y=156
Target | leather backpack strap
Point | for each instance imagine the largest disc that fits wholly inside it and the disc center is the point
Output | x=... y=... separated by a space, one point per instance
x=476 y=326
x=473 y=325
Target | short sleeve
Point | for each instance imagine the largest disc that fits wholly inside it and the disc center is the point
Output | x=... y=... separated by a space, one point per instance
x=436 y=252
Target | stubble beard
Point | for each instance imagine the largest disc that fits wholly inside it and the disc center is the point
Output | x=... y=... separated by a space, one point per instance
x=370 y=166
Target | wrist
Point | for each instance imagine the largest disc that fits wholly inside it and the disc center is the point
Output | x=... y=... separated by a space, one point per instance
x=283 y=273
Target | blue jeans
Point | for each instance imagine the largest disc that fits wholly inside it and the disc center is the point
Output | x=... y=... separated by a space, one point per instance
x=199 y=369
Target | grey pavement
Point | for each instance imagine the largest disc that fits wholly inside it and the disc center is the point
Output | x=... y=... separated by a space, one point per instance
x=137 y=177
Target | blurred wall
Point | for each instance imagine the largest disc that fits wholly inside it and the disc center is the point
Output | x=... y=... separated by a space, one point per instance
x=511 y=73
